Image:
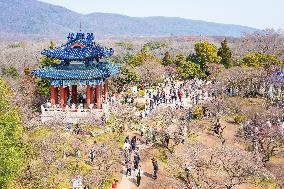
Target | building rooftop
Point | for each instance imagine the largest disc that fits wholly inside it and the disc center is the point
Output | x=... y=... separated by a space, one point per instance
x=80 y=61
x=78 y=71
x=79 y=48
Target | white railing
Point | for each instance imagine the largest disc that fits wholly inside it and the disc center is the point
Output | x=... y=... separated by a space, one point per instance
x=49 y=113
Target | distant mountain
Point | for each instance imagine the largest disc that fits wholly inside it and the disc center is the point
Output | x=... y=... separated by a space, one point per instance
x=34 y=17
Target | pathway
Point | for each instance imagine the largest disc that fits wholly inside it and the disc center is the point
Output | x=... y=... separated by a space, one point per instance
x=129 y=182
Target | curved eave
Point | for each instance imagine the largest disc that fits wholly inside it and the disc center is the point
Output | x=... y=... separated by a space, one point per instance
x=103 y=71
x=78 y=54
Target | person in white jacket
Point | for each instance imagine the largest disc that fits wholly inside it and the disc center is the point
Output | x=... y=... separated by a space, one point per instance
x=138 y=173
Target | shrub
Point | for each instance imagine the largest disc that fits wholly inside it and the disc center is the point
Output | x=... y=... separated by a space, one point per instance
x=198 y=112
x=238 y=118
x=18 y=45
x=10 y=72
x=140 y=106
x=141 y=92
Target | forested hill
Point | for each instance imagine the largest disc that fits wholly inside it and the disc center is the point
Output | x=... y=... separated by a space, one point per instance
x=34 y=17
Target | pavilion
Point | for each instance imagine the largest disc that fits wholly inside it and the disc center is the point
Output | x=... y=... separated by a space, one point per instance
x=80 y=65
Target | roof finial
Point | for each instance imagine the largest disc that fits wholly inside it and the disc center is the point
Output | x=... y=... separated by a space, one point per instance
x=80 y=27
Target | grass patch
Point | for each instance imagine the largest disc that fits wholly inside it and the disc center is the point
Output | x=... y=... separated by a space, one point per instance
x=41 y=133
x=265 y=183
x=192 y=137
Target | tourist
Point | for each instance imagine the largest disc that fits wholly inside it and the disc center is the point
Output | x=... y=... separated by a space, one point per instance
x=126 y=146
x=141 y=130
x=187 y=169
x=180 y=94
x=156 y=167
x=141 y=115
x=77 y=183
x=128 y=168
x=137 y=160
x=167 y=98
x=167 y=139
x=127 y=140
x=48 y=104
x=92 y=155
x=186 y=93
x=83 y=101
x=190 y=115
x=139 y=173
x=114 y=184
x=133 y=143
x=217 y=127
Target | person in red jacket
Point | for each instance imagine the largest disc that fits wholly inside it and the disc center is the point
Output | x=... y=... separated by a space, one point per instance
x=114 y=184
x=180 y=94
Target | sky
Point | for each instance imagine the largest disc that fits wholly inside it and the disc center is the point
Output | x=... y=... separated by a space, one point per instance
x=255 y=13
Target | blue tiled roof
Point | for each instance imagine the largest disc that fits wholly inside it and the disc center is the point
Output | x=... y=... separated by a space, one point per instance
x=87 y=49
x=64 y=53
x=83 y=51
x=101 y=70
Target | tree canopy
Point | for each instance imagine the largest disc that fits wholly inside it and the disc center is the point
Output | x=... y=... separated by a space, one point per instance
x=167 y=60
x=12 y=156
x=206 y=53
x=259 y=59
x=190 y=70
x=225 y=53
x=43 y=87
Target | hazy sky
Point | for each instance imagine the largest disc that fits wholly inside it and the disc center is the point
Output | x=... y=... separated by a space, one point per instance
x=255 y=13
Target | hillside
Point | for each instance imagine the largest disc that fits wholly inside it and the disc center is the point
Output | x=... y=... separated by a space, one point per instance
x=34 y=17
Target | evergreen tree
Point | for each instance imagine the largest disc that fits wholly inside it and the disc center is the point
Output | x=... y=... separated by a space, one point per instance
x=12 y=155
x=43 y=86
x=180 y=60
x=167 y=60
x=225 y=53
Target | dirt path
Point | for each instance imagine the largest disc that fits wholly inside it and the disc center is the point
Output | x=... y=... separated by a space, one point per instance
x=129 y=182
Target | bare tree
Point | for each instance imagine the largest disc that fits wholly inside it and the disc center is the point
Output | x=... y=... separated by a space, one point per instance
x=219 y=167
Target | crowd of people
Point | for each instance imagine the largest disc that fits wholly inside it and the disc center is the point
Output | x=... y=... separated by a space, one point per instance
x=132 y=159
x=178 y=95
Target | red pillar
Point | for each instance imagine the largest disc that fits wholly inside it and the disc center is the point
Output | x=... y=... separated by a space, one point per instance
x=52 y=88
x=74 y=94
x=92 y=95
x=105 y=89
x=62 y=96
x=56 y=95
x=98 y=96
x=88 y=96
x=66 y=94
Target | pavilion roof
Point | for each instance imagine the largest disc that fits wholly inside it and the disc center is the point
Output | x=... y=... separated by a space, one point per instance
x=64 y=53
x=101 y=70
x=79 y=47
